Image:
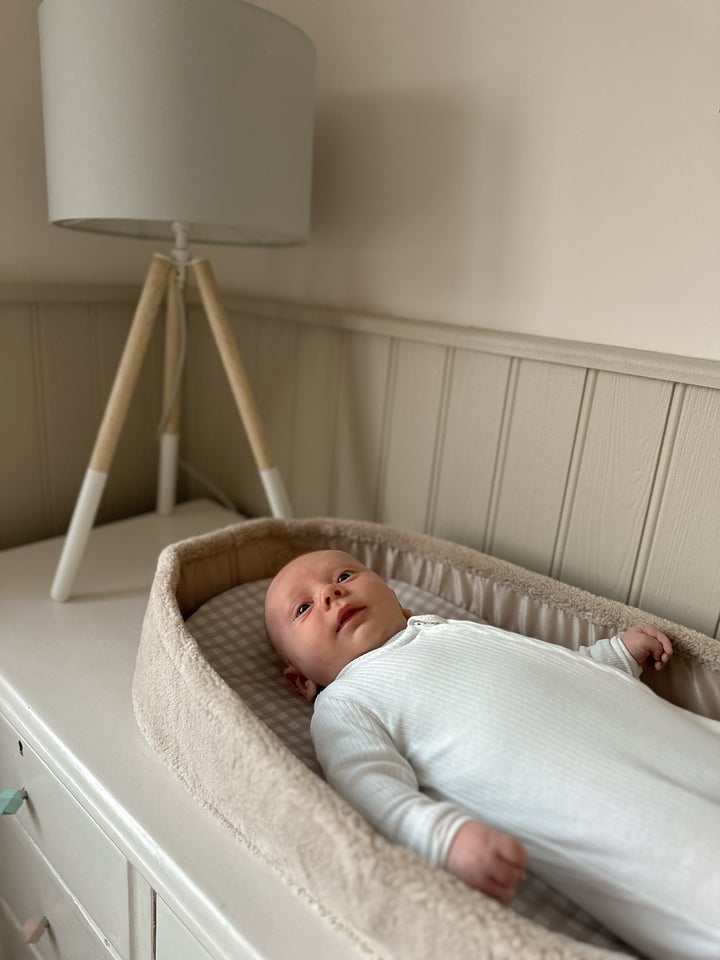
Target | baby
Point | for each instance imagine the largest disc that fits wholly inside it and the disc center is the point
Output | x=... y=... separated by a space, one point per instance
x=484 y=750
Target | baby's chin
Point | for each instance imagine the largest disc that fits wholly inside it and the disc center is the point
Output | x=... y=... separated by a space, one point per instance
x=369 y=641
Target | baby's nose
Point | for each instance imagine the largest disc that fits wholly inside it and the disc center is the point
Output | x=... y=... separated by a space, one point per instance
x=333 y=592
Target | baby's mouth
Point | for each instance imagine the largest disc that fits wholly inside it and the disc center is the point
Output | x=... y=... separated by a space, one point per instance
x=345 y=615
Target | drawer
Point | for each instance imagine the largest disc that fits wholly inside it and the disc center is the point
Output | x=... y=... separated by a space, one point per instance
x=11 y=942
x=29 y=888
x=85 y=859
x=173 y=939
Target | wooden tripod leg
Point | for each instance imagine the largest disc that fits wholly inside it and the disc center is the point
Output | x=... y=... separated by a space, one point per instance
x=170 y=437
x=96 y=474
x=242 y=392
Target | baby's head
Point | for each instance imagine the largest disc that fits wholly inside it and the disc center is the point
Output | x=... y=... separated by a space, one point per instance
x=325 y=609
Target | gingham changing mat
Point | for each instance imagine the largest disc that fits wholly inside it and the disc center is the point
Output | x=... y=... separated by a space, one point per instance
x=230 y=631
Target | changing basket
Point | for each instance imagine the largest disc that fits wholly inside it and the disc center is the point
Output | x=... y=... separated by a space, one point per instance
x=214 y=705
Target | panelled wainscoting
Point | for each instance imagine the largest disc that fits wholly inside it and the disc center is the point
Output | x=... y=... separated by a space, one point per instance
x=596 y=465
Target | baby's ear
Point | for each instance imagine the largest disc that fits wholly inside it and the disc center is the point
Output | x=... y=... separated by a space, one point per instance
x=306 y=687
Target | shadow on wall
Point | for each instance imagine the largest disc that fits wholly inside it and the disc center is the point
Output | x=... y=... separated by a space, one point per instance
x=412 y=190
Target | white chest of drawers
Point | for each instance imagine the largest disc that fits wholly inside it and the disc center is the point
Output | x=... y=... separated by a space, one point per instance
x=108 y=846
x=56 y=862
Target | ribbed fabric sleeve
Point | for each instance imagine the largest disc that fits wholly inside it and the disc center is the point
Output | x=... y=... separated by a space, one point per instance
x=613 y=653
x=362 y=763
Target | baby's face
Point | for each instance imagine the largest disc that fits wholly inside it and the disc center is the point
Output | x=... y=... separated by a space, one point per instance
x=325 y=609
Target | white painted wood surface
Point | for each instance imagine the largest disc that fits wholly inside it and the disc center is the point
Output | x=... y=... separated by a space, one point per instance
x=65 y=684
x=12 y=946
x=173 y=940
x=29 y=887
x=681 y=572
x=532 y=478
x=413 y=415
x=595 y=464
x=89 y=864
x=313 y=419
x=477 y=394
x=357 y=439
x=606 y=502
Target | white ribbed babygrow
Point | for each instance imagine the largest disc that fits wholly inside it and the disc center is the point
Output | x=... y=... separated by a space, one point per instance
x=614 y=792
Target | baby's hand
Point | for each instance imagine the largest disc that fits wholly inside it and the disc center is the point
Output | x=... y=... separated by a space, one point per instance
x=646 y=643
x=487 y=860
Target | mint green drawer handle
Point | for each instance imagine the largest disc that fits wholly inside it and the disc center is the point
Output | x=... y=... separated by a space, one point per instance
x=11 y=800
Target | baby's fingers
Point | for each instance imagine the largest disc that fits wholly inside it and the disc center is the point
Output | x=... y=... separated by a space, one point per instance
x=508 y=869
x=503 y=893
x=511 y=851
x=662 y=650
x=502 y=885
x=506 y=876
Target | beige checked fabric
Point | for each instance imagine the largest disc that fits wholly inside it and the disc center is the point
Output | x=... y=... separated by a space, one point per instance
x=230 y=632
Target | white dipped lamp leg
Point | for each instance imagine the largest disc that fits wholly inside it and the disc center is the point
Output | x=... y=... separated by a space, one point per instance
x=83 y=518
x=275 y=492
x=106 y=443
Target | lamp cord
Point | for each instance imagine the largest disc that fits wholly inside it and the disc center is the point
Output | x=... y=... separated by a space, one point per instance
x=180 y=264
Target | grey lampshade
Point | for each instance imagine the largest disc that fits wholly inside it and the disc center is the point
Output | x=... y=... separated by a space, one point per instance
x=199 y=111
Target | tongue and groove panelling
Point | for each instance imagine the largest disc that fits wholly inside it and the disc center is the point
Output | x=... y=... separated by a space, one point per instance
x=597 y=465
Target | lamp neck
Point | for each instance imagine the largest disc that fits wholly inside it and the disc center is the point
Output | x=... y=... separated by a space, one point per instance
x=180 y=254
x=180 y=250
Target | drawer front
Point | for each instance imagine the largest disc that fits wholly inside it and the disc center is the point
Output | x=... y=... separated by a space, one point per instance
x=87 y=861
x=11 y=942
x=173 y=939
x=29 y=889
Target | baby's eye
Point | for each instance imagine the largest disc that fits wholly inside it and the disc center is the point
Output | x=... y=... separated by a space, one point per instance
x=303 y=608
x=344 y=576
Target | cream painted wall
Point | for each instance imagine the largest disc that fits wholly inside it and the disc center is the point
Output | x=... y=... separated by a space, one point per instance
x=541 y=166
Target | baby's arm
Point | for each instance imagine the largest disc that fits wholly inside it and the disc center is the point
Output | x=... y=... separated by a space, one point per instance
x=647 y=644
x=487 y=860
x=630 y=652
x=362 y=763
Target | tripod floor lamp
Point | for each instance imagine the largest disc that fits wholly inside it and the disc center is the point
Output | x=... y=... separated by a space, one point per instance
x=167 y=119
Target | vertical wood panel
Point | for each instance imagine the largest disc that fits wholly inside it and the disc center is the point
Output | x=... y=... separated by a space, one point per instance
x=216 y=445
x=66 y=358
x=682 y=577
x=614 y=482
x=273 y=382
x=212 y=440
x=571 y=481
x=467 y=456
x=412 y=433
x=532 y=483
x=24 y=513
x=656 y=498
x=239 y=476
x=361 y=405
x=314 y=414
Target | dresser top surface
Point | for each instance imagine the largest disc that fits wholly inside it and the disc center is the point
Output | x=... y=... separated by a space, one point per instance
x=65 y=684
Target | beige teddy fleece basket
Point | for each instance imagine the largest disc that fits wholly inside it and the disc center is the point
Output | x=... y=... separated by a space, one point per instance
x=379 y=895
